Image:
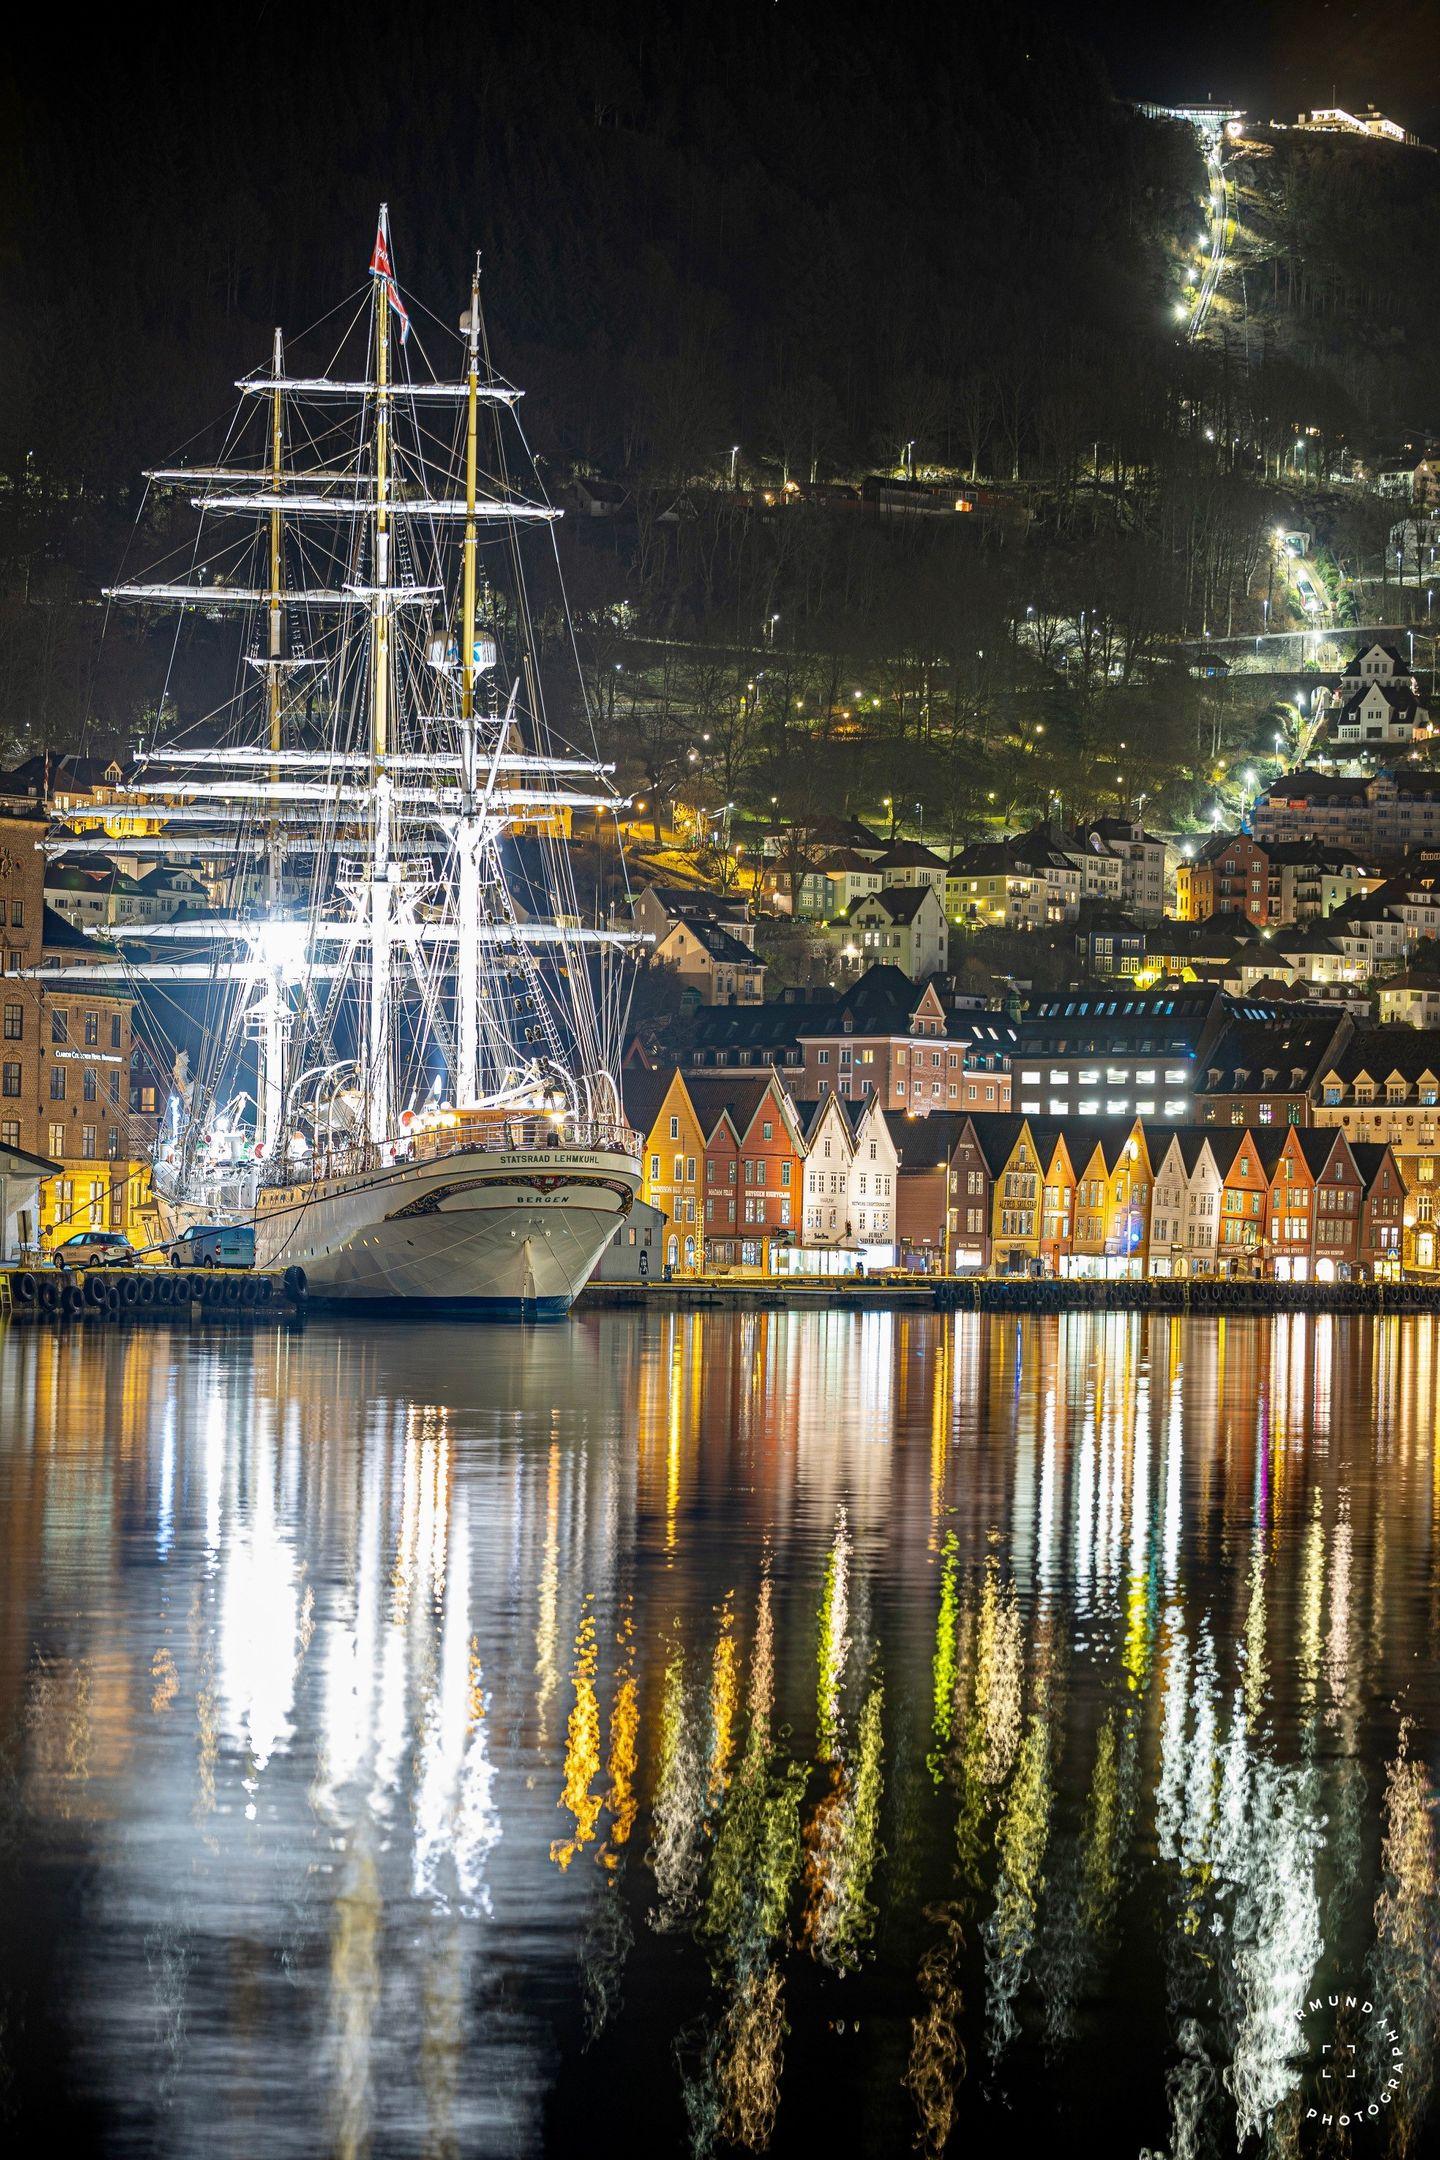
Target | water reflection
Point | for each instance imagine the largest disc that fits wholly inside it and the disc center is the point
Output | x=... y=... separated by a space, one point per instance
x=722 y=1732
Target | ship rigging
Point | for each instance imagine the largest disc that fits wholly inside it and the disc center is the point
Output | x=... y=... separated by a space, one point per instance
x=396 y=955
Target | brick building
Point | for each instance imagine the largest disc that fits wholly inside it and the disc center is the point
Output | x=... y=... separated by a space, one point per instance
x=65 y=1058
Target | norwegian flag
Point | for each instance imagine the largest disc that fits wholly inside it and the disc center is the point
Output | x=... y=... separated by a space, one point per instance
x=380 y=266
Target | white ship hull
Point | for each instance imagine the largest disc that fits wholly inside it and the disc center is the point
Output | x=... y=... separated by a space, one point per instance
x=498 y=1235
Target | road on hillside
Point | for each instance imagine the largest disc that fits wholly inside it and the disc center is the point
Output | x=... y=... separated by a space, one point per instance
x=1219 y=214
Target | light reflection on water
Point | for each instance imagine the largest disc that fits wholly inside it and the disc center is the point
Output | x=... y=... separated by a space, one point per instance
x=717 y=1732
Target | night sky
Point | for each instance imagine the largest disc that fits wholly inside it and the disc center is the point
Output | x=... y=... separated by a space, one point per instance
x=1275 y=59
x=1272 y=58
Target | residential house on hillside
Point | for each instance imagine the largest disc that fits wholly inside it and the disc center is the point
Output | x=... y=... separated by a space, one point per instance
x=1316 y=955
x=655 y=910
x=793 y=887
x=1229 y=874
x=825 y=834
x=1392 y=813
x=848 y=877
x=1059 y=870
x=58 y=780
x=1411 y=899
x=1180 y=949
x=988 y=887
x=93 y=892
x=1307 y=880
x=1142 y=864
x=1109 y=944
x=910 y=862
x=709 y=960
x=903 y=926
x=1371 y=933
x=1411 y=998
x=1377 y=702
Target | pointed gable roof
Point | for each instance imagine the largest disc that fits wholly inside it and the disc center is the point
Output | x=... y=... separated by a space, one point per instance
x=643 y=1090
x=813 y=1111
x=742 y=1100
x=924 y=1143
x=995 y=1136
x=1369 y=1157
x=899 y=903
x=737 y=1098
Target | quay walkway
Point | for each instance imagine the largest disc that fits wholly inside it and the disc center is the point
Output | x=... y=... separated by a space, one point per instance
x=962 y=1293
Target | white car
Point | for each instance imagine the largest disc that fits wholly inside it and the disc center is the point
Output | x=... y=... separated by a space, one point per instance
x=95 y=1248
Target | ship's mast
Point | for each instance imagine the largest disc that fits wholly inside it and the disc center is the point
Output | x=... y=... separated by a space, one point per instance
x=277 y=444
x=469 y=833
x=381 y=896
x=272 y=1017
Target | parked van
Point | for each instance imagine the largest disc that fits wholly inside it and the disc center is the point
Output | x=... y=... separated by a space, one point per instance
x=215 y=1245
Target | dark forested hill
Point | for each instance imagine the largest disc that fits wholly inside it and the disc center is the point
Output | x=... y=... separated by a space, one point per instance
x=1340 y=250
x=820 y=235
x=698 y=224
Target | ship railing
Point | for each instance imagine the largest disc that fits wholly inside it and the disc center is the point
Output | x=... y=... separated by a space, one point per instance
x=486 y=1132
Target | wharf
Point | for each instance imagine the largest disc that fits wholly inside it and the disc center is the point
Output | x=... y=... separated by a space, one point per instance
x=140 y=1293
x=968 y=1293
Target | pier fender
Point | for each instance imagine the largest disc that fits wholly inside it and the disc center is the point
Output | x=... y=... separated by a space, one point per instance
x=24 y=1289
x=94 y=1289
x=295 y=1283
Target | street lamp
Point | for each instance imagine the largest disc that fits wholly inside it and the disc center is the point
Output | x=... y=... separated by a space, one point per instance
x=734 y=458
x=770 y=627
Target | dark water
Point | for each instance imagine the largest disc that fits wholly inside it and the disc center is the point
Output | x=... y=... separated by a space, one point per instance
x=671 y=1734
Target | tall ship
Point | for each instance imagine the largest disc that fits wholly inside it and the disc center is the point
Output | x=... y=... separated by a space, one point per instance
x=403 y=1036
